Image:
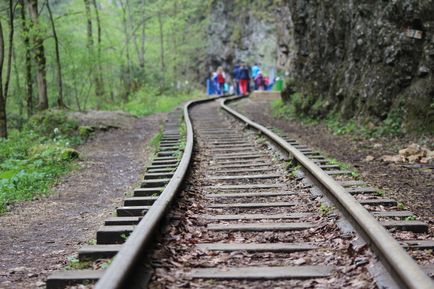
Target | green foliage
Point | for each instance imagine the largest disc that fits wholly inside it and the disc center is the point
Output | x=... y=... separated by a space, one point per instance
x=380 y=193
x=146 y=102
x=156 y=139
x=298 y=107
x=325 y=209
x=410 y=218
x=75 y=264
x=32 y=160
x=401 y=206
x=129 y=84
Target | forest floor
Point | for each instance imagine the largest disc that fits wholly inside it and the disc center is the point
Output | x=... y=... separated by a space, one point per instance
x=37 y=237
x=411 y=186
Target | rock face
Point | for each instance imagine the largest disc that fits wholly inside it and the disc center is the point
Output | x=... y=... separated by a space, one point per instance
x=365 y=59
x=240 y=31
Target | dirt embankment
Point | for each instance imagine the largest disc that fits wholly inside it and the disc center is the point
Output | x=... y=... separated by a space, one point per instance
x=37 y=237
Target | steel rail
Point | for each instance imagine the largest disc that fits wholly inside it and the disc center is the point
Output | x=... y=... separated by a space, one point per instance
x=134 y=249
x=396 y=260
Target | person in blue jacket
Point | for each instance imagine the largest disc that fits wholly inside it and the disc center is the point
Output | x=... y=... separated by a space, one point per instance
x=236 y=77
x=255 y=70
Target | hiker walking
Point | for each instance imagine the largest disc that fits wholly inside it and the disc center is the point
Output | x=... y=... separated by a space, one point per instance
x=221 y=79
x=244 y=79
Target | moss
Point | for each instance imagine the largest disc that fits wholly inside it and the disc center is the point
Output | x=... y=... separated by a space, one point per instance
x=69 y=154
x=51 y=123
x=85 y=131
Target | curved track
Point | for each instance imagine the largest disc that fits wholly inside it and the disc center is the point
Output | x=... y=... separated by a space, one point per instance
x=243 y=221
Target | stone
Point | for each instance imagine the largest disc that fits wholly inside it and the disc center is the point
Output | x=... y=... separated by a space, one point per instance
x=423 y=71
x=369 y=159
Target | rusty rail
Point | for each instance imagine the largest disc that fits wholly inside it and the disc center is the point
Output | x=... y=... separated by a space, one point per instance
x=135 y=248
x=400 y=265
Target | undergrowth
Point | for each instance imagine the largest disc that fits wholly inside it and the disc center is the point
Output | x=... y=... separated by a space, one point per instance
x=31 y=160
x=392 y=125
x=148 y=101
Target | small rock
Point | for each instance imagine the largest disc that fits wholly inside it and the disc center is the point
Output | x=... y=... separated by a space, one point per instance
x=369 y=159
x=412 y=149
x=413 y=159
x=393 y=159
x=426 y=160
x=40 y=284
x=378 y=145
x=360 y=261
x=17 y=270
x=300 y=261
x=423 y=71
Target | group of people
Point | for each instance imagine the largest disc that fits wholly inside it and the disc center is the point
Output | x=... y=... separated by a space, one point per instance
x=216 y=83
x=242 y=75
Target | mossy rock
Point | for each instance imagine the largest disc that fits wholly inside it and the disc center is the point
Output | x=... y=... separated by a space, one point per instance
x=85 y=131
x=69 y=154
x=52 y=122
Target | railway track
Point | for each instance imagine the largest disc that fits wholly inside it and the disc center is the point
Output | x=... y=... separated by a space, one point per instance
x=256 y=211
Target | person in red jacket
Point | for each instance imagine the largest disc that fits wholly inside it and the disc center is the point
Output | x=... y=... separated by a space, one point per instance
x=221 y=79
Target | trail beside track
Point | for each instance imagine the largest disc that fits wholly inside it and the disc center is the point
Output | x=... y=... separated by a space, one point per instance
x=37 y=237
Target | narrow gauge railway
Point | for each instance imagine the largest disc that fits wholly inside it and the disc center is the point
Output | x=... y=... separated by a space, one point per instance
x=255 y=211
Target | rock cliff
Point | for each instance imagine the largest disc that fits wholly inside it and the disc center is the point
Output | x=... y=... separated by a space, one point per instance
x=371 y=60
x=240 y=31
x=368 y=60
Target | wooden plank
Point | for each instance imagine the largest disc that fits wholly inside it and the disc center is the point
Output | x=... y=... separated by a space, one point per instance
x=139 y=201
x=257 y=216
x=258 y=273
x=418 y=244
x=252 y=205
x=94 y=252
x=257 y=247
x=246 y=187
x=62 y=279
x=260 y=227
x=393 y=214
x=243 y=195
x=378 y=202
x=413 y=226
x=122 y=221
x=244 y=177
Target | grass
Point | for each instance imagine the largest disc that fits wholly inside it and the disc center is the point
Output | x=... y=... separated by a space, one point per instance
x=392 y=125
x=325 y=209
x=75 y=264
x=32 y=160
x=147 y=101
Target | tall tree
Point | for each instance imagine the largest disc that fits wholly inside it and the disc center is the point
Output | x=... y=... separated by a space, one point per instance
x=39 y=54
x=99 y=82
x=127 y=77
x=28 y=60
x=59 y=82
x=4 y=90
x=162 y=62
x=3 y=118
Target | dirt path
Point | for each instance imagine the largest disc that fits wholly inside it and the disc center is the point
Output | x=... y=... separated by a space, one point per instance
x=37 y=237
x=412 y=187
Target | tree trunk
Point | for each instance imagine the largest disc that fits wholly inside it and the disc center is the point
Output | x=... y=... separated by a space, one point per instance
x=175 y=45
x=3 y=119
x=127 y=76
x=163 y=66
x=99 y=83
x=28 y=61
x=39 y=55
x=142 y=39
x=60 y=103
x=11 y=40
